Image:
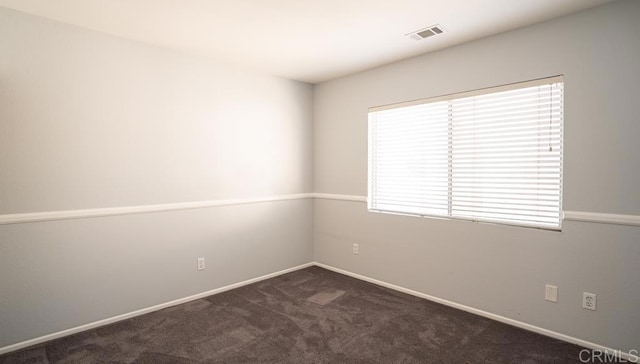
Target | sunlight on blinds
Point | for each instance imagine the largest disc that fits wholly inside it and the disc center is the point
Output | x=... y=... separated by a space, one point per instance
x=491 y=155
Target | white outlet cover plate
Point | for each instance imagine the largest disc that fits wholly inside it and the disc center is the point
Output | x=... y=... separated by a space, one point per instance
x=551 y=293
x=589 y=301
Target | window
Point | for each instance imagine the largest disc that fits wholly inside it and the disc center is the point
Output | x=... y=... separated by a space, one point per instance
x=492 y=155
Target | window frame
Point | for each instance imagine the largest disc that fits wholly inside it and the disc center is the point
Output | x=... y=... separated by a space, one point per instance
x=559 y=79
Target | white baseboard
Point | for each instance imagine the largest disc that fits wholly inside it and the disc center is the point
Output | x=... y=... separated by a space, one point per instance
x=633 y=358
x=587 y=344
x=107 y=321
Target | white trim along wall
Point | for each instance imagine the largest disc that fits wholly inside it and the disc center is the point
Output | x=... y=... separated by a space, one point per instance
x=630 y=357
x=594 y=217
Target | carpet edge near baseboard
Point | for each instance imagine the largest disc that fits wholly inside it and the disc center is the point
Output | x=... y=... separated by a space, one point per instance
x=492 y=316
x=506 y=320
x=143 y=311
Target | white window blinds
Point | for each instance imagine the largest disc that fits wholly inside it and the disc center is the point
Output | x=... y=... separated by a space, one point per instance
x=490 y=155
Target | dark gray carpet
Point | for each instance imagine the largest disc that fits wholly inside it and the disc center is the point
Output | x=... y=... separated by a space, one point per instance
x=308 y=316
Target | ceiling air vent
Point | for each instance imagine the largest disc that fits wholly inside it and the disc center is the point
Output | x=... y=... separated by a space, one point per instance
x=426 y=32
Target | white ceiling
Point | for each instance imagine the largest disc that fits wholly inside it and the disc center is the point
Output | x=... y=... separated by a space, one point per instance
x=305 y=40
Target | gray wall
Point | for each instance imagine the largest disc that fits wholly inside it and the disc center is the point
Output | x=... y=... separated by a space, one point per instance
x=92 y=121
x=494 y=268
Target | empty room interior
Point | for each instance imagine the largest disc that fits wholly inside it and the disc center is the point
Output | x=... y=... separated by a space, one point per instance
x=319 y=181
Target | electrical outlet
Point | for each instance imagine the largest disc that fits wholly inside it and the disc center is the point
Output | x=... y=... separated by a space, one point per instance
x=551 y=293
x=589 y=301
x=200 y=263
x=356 y=249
